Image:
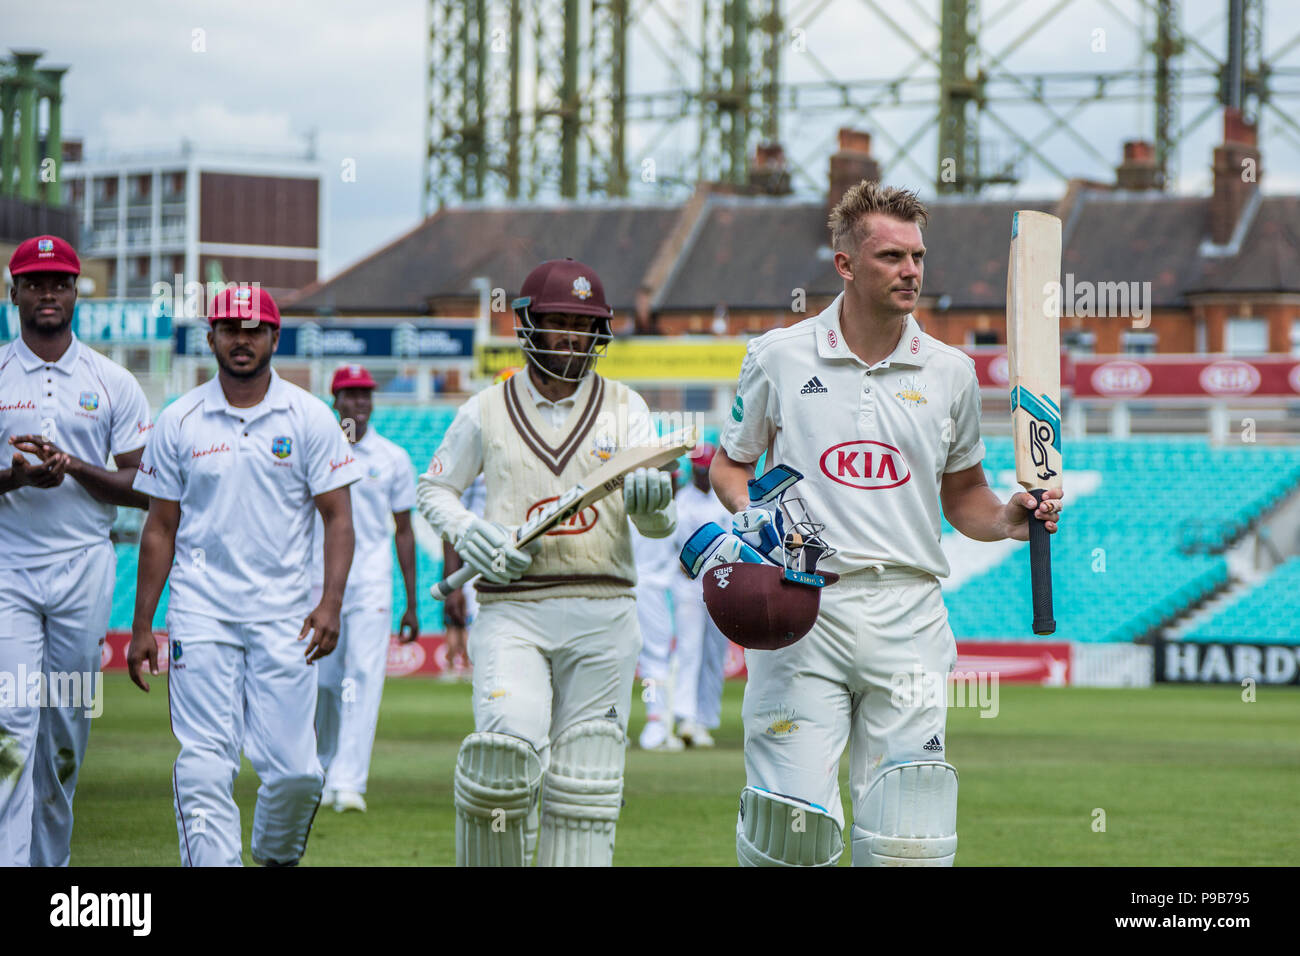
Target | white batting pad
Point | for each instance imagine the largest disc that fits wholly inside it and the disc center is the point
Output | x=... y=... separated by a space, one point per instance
x=582 y=795
x=496 y=784
x=776 y=830
x=908 y=817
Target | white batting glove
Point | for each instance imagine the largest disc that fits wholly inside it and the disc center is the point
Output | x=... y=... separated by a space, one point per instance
x=761 y=530
x=647 y=490
x=488 y=548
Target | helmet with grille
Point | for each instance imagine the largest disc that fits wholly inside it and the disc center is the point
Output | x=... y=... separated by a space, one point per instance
x=563 y=287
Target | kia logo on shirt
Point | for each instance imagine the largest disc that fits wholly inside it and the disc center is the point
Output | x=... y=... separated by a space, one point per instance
x=584 y=520
x=871 y=465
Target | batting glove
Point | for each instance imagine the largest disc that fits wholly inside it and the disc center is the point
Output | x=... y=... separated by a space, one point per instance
x=710 y=546
x=646 y=491
x=489 y=549
x=762 y=530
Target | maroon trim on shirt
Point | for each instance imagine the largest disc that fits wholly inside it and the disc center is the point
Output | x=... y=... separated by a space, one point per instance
x=540 y=582
x=556 y=459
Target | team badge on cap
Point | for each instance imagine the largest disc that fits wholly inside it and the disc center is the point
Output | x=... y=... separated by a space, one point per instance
x=89 y=401
x=45 y=245
x=582 y=288
x=281 y=447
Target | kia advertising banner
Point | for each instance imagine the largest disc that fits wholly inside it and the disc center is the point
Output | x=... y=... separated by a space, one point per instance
x=1184 y=376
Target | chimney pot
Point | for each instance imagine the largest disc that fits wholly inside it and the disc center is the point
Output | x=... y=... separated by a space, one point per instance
x=854 y=141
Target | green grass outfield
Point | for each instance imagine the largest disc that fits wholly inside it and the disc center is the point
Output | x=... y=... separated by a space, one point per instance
x=1185 y=776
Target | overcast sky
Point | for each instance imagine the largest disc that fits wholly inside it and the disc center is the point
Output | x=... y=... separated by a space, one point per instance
x=353 y=72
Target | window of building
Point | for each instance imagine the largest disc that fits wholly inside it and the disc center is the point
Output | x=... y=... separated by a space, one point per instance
x=1079 y=341
x=1246 y=336
x=174 y=185
x=982 y=338
x=173 y=228
x=141 y=186
x=105 y=189
x=1138 y=343
x=140 y=267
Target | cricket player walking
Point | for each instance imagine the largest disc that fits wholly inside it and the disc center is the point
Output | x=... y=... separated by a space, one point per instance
x=555 y=644
x=656 y=569
x=351 y=680
x=70 y=408
x=883 y=421
x=701 y=647
x=235 y=471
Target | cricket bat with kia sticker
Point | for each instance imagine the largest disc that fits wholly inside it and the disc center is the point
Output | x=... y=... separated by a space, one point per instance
x=1034 y=377
x=594 y=486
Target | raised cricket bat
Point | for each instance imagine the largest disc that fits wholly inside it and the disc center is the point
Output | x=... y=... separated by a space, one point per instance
x=1034 y=377
x=601 y=482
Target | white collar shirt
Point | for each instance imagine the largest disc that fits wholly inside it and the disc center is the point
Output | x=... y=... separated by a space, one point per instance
x=90 y=407
x=246 y=479
x=873 y=442
x=386 y=487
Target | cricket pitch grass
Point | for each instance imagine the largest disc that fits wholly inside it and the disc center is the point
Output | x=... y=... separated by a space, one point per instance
x=1163 y=776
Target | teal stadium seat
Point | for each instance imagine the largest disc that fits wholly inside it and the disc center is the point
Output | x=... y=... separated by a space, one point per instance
x=1156 y=563
x=1266 y=614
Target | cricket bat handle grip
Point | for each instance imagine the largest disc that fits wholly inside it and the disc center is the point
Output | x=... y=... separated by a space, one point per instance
x=453 y=582
x=1040 y=571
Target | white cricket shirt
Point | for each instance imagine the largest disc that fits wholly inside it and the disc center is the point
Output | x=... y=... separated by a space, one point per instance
x=90 y=407
x=387 y=485
x=245 y=479
x=873 y=442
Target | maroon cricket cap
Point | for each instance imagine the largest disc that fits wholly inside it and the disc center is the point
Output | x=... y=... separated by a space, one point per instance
x=564 y=285
x=350 y=376
x=244 y=302
x=44 y=254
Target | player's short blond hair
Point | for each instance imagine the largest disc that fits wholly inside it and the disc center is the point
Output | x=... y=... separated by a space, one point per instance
x=849 y=217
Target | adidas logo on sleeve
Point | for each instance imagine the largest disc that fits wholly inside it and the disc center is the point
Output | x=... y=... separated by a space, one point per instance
x=813 y=386
x=933 y=745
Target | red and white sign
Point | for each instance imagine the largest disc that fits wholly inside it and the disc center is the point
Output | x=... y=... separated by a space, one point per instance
x=1187 y=376
x=870 y=465
x=1015 y=662
x=1120 y=379
x=1230 y=378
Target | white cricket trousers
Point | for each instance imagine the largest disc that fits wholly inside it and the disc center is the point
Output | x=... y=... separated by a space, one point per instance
x=234 y=685
x=52 y=621
x=701 y=658
x=350 y=689
x=843 y=683
x=543 y=666
x=655 y=618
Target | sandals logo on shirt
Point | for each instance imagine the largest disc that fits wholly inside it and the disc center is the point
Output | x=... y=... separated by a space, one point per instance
x=89 y=401
x=281 y=447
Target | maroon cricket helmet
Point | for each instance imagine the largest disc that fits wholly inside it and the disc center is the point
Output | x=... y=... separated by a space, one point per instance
x=757 y=607
x=564 y=285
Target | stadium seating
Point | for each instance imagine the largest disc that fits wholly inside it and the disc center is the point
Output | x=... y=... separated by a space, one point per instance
x=1266 y=614
x=1127 y=560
